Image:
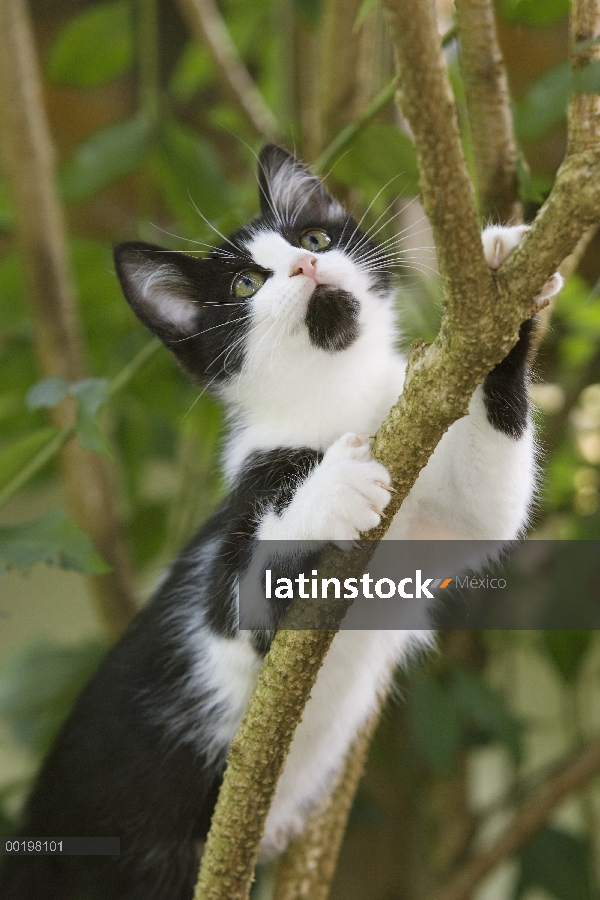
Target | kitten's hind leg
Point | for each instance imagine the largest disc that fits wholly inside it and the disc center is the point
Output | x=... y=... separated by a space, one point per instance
x=505 y=387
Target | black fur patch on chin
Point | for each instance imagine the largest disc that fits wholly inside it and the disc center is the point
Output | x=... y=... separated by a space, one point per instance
x=332 y=318
x=505 y=387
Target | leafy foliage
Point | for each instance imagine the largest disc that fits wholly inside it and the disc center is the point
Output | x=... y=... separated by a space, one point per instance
x=52 y=538
x=457 y=712
x=533 y=12
x=39 y=685
x=90 y=394
x=106 y=156
x=559 y=864
x=95 y=46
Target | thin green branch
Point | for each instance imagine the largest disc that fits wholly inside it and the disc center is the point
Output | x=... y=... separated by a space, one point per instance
x=49 y=450
x=207 y=25
x=133 y=366
x=575 y=774
x=347 y=134
x=43 y=456
x=148 y=59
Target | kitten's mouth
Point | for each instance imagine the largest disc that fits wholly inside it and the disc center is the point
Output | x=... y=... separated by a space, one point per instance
x=332 y=318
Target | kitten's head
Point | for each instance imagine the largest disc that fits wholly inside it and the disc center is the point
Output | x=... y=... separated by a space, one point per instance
x=298 y=288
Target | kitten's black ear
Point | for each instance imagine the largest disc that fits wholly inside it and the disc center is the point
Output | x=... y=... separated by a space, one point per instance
x=162 y=287
x=287 y=188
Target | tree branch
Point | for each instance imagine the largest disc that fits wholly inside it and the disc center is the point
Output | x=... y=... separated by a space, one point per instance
x=338 y=69
x=50 y=450
x=488 y=103
x=59 y=346
x=308 y=865
x=574 y=201
x=207 y=25
x=481 y=323
x=573 y=775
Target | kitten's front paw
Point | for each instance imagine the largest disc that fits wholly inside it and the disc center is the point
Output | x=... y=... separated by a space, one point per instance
x=354 y=489
x=499 y=241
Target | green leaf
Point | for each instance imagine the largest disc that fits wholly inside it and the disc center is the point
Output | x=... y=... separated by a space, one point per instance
x=192 y=170
x=545 y=104
x=436 y=725
x=52 y=538
x=16 y=456
x=6 y=208
x=366 y=8
x=587 y=80
x=309 y=11
x=485 y=711
x=109 y=154
x=94 y=47
x=533 y=12
x=567 y=650
x=557 y=863
x=39 y=685
x=192 y=71
x=532 y=188
x=90 y=394
x=47 y=393
x=380 y=154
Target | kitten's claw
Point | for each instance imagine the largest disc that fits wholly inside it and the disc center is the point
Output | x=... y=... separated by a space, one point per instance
x=499 y=241
x=358 y=489
x=552 y=287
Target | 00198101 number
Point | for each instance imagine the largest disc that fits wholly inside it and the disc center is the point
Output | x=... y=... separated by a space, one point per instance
x=26 y=846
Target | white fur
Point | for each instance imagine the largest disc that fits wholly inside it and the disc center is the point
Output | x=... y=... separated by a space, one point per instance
x=160 y=290
x=345 y=495
x=478 y=484
x=291 y=393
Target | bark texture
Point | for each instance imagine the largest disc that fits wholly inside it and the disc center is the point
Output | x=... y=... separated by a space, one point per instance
x=41 y=235
x=490 y=118
x=307 y=868
x=483 y=315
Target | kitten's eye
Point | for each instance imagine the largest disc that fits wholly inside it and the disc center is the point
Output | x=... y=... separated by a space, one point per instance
x=315 y=240
x=247 y=283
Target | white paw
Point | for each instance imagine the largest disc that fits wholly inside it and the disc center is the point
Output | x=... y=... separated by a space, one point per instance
x=499 y=241
x=552 y=287
x=353 y=488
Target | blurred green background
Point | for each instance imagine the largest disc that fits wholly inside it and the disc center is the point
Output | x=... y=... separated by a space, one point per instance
x=152 y=144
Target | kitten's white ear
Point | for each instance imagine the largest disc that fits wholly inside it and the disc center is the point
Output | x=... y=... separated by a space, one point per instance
x=162 y=287
x=288 y=189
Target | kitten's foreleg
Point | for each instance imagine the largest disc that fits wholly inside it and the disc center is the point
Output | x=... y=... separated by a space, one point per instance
x=480 y=480
x=343 y=496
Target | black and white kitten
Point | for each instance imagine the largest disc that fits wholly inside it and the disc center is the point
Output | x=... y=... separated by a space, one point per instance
x=291 y=322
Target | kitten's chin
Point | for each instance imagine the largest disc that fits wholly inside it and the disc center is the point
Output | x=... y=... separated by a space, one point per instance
x=332 y=318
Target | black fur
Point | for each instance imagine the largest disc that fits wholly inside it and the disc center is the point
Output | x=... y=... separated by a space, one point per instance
x=212 y=347
x=332 y=318
x=505 y=387
x=125 y=764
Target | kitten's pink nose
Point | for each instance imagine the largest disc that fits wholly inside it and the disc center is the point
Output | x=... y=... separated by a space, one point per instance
x=305 y=265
